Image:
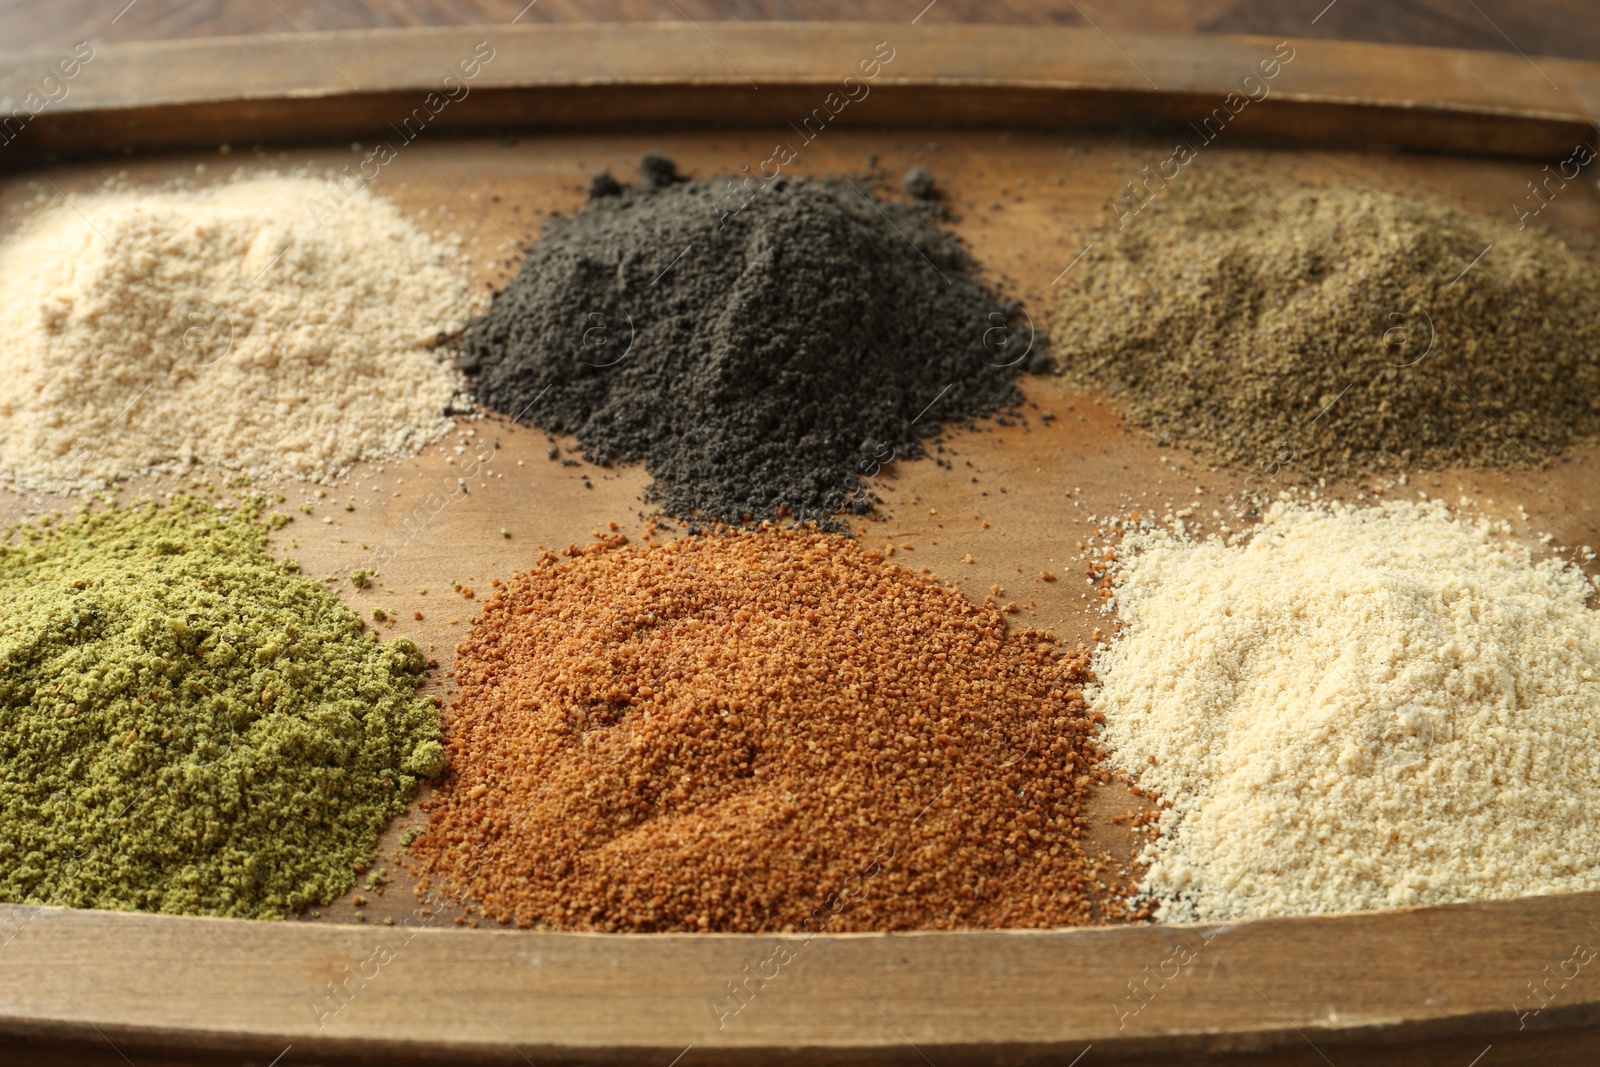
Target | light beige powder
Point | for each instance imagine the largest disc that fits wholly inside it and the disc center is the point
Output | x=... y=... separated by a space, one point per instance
x=1356 y=708
x=229 y=327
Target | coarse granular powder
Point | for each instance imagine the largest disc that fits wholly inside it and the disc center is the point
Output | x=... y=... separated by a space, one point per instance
x=1356 y=708
x=760 y=732
x=229 y=326
x=1337 y=330
x=758 y=359
x=186 y=725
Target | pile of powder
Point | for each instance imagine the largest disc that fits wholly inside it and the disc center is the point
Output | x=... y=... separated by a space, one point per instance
x=1347 y=328
x=188 y=726
x=246 y=325
x=760 y=732
x=1357 y=708
x=759 y=352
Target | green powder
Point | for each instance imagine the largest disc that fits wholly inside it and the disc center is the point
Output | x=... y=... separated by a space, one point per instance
x=186 y=725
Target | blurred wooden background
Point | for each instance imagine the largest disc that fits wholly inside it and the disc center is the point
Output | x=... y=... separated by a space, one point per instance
x=1534 y=27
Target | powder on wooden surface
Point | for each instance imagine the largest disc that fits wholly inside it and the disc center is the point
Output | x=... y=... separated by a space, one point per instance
x=742 y=732
x=188 y=726
x=228 y=326
x=1344 y=328
x=761 y=351
x=1357 y=708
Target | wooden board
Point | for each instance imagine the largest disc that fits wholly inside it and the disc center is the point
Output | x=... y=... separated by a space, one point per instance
x=304 y=87
x=1426 y=986
x=1537 y=27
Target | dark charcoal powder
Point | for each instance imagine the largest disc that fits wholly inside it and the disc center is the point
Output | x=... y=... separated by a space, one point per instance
x=918 y=183
x=603 y=184
x=761 y=361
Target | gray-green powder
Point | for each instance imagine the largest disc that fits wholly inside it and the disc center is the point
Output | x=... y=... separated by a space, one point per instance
x=186 y=725
x=1337 y=330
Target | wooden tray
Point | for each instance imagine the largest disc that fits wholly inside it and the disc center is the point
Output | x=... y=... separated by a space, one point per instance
x=1030 y=135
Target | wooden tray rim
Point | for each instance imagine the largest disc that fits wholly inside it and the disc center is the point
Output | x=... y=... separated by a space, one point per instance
x=1306 y=962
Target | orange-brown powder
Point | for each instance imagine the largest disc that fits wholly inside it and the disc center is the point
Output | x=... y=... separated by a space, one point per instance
x=759 y=732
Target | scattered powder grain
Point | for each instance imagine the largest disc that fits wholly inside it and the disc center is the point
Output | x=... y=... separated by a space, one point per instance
x=1340 y=329
x=188 y=726
x=1357 y=708
x=746 y=732
x=228 y=326
x=760 y=353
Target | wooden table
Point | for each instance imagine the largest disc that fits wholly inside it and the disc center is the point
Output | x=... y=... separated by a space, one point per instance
x=1535 y=27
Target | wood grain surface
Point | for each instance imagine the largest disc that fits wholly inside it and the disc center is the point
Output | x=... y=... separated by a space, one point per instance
x=1431 y=986
x=1533 y=27
x=370 y=84
x=1420 y=988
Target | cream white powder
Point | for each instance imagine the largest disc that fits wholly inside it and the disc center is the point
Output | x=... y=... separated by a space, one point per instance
x=1357 y=708
x=229 y=327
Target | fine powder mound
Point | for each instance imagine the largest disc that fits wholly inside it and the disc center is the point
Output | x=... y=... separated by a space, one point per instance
x=1337 y=330
x=188 y=726
x=759 y=732
x=1357 y=708
x=759 y=360
x=232 y=326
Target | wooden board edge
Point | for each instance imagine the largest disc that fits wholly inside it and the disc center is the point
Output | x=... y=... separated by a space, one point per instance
x=365 y=84
x=212 y=986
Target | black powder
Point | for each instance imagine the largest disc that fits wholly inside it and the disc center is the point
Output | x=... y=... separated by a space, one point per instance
x=763 y=351
x=603 y=184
